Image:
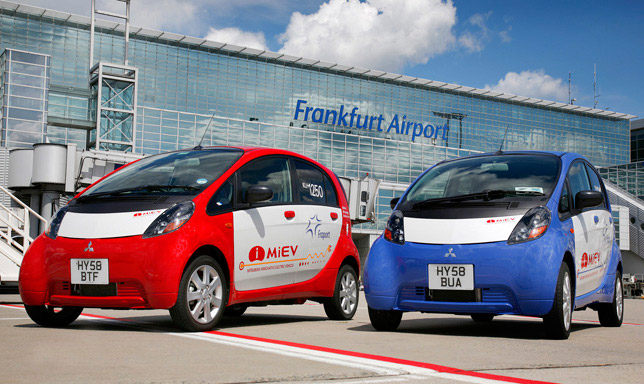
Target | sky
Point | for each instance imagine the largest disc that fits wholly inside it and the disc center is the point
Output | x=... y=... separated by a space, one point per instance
x=526 y=48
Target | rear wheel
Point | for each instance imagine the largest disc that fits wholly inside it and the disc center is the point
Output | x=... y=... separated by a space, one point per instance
x=344 y=303
x=203 y=292
x=49 y=316
x=557 y=322
x=612 y=314
x=235 y=310
x=385 y=320
x=482 y=317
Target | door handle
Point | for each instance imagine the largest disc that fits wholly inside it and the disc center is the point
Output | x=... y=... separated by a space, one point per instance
x=289 y=214
x=334 y=216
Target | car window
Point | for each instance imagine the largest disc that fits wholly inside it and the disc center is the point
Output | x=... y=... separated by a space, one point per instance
x=564 y=201
x=578 y=179
x=310 y=183
x=223 y=199
x=181 y=172
x=510 y=176
x=329 y=190
x=272 y=172
x=595 y=184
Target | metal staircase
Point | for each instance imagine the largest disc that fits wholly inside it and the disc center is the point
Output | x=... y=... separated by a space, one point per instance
x=15 y=224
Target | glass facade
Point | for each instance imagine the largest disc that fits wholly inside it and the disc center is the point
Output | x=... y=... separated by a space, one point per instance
x=24 y=87
x=354 y=121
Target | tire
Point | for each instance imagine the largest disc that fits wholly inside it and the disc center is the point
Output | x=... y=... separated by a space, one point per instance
x=385 y=320
x=203 y=286
x=482 y=317
x=612 y=314
x=344 y=303
x=235 y=310
x=557 y=322
x=47 y=316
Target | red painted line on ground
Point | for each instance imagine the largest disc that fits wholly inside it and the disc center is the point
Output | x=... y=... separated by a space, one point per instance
x=418 y=364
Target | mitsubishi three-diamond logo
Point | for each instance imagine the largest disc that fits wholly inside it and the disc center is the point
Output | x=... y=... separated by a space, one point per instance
x=450 y=253
x=89 y=248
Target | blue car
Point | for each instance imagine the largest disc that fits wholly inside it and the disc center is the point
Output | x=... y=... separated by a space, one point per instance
x=521 y=233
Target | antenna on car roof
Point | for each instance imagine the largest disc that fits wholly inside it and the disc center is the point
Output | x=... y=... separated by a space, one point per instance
x=500 y=151
x=198 y=147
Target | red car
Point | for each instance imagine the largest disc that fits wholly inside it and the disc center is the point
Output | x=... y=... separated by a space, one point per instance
x=205 y=233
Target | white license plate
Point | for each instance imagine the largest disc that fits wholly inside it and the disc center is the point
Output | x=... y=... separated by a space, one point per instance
x=90 y=271
x=451 y=276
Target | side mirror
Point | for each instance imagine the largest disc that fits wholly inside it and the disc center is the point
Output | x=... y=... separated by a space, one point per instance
x=258 y=193
x=587 y=199
x=393 y=202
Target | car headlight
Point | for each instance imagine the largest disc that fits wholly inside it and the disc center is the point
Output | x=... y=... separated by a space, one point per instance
x=54 y=224
x=170 y=220
x=531 y=226
x=394 y=230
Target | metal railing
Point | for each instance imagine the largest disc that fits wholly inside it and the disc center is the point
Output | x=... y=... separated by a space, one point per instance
x=14 y=229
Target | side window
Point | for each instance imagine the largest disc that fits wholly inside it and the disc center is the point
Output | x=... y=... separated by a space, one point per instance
x=578 y=179
x=595 y=184
x=331 y=196
x=223 y=199
x=310 y=184
x=272 y=172
x=564 y=201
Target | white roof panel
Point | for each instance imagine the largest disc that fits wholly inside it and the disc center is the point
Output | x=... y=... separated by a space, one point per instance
x=304 y=61
x=252 y=51
x=212 y=44
x=193 y=40
x=149 y=32
x=171 y=36
x=270 y=55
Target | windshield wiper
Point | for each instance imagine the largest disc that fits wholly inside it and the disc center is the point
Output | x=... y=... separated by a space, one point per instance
x=483 y=195
x=142 y=188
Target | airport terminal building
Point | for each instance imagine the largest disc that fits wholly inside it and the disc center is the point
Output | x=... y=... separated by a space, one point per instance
x=158 y=91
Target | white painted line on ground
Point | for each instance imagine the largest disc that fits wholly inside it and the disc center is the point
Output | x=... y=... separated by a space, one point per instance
x=395 y=369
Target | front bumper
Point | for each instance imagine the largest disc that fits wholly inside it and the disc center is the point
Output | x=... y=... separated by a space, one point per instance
x=510 y=279
x=146 y=272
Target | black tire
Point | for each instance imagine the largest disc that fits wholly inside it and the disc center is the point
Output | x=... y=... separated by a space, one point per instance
x=558 y=321
x=48 y=316
x=482 y=317
x=612 y=314
x=203 y=285
x=385 y=320
x=344 y=303
x=235 y=310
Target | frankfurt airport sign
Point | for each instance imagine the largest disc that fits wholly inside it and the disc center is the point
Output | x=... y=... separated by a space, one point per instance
x=350 y=118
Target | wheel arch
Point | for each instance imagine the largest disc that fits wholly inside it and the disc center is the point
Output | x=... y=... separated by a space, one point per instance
x=570 y=261
x=216 y=254
x=351 y=261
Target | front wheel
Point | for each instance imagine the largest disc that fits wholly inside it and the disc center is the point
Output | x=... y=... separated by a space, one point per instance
x=49 y=316
x=557 y=322
x=612 y=314
x=344 y=303
x=202 y=297
x=385 y=320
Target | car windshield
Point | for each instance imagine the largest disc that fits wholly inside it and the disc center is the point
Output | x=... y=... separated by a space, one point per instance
x=485 y=178
x=183 y=172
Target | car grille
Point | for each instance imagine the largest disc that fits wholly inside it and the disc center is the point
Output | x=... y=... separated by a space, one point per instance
x=495 y=295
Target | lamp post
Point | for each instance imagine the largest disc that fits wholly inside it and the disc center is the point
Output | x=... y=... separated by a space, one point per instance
x=453 y=115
